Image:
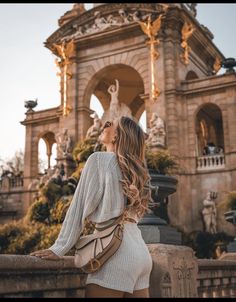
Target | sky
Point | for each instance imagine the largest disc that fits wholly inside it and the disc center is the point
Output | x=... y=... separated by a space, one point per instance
x=28 y=70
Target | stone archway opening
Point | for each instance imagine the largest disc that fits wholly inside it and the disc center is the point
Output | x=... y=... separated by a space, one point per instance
x=209 y=129
x=47 y=152
x=131 y=87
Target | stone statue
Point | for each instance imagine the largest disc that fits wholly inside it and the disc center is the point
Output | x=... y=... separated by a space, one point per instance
x=116 y=108
x=94 y=131
x=187 y=31
x=65 y=142
x=156 y=134
x=124 y=16
x=100 y=23
x=209 y=212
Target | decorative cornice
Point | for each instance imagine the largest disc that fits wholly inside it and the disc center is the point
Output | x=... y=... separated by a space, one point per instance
x=42 y=116
x=103 y=18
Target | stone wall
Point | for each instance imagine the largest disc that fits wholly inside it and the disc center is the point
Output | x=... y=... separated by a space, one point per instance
x=176 y=273
x=27 y=276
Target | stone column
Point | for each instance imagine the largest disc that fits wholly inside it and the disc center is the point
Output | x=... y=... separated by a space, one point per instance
x=170 y=44
x=174 y=272
x=30 y=161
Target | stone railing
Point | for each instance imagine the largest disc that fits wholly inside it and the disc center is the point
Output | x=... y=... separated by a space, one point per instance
x=26 y=276
x=216 y=278
x=210 y=162
x=176 y=273
x=30 y=277
x=12 y=182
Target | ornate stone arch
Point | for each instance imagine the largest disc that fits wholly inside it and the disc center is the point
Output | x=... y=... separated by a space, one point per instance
x=99 y=82
x=49 y=138
x=211 y=115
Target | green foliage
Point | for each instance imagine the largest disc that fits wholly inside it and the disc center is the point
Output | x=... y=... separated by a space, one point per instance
x=204 y=244
x=229 y=203
x=83 y=150
x=39 y=211
x=24 y=242
x=8 y=232
x=78 y=170
x=58 y=212
x=161 y=161
x=52 y=192
x=48 y=235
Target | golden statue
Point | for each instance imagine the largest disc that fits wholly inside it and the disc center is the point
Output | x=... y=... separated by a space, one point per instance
x=186 y=32
x=151 y=29
x=217 y=65
x=65 y=51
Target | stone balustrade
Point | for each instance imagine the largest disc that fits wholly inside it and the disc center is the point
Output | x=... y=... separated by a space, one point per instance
x=216 y=278
x=210 y=162
x=176 y=273
x=11 y=182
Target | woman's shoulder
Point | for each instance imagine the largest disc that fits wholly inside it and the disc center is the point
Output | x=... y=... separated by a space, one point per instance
x=102 y=156
x=106 y=161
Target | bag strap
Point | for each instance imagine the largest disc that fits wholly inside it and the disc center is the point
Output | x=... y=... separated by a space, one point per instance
x=116 y=221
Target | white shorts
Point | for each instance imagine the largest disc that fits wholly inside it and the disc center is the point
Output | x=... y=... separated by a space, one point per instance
x=129 y=268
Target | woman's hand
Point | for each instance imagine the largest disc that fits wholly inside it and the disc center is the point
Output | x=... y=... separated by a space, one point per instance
x=45 y=254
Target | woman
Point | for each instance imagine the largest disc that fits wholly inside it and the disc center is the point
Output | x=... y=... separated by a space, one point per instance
x=110 y=182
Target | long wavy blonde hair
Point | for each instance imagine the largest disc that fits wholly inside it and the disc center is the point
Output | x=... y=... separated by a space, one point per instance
x=130 y=150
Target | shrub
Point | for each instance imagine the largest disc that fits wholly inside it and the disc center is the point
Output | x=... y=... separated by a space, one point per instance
x=83 y=150
x=58 y=212
x=229 y=203
x=161 y=161
x=52 y=192
x=8 y=232
x=39 y=211
x=204 y=244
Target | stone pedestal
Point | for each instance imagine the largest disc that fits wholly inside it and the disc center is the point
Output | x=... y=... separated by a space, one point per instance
x=174 y=272
x=160 y=234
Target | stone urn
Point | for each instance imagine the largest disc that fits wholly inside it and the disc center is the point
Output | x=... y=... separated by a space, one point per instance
x=230 y=216
x=155 y=229
x=162 y=187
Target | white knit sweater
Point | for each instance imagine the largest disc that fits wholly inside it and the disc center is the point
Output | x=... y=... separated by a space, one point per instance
x=98 y=196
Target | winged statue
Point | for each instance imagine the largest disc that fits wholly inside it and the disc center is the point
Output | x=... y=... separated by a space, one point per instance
x=187 y=30
x=151 y=28
x=65 y=50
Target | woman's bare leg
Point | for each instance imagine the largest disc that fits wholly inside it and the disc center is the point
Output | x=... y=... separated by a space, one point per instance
x=142 y=293
x=97 y=291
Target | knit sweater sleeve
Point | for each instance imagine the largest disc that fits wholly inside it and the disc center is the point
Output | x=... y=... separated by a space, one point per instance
x=86 y=198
